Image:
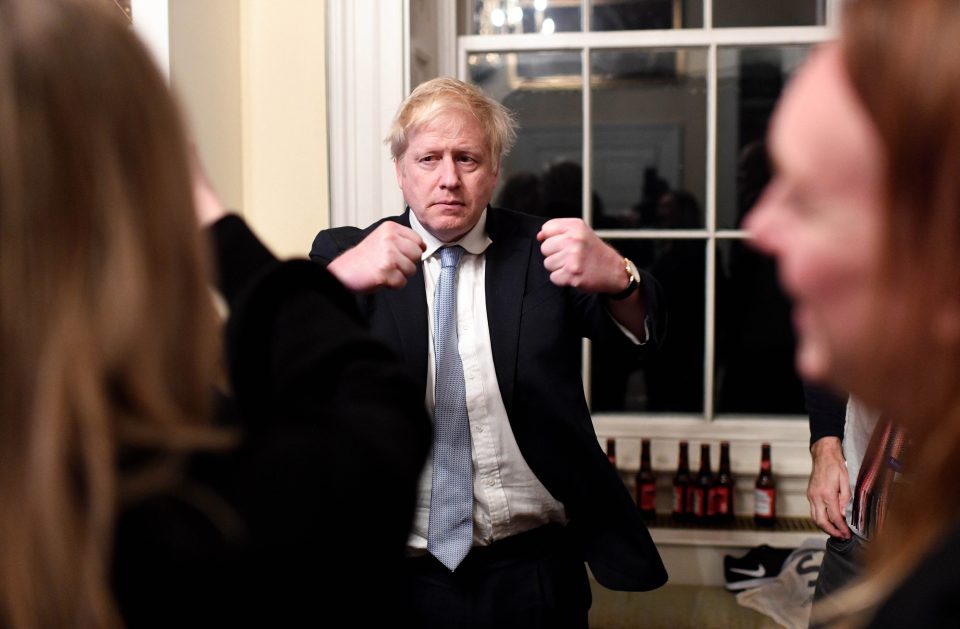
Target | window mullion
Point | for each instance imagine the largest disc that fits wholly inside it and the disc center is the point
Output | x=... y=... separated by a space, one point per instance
x=711 y=256
x=586 y=197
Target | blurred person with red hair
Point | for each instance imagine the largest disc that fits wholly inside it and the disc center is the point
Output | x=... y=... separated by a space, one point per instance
x=863 y=217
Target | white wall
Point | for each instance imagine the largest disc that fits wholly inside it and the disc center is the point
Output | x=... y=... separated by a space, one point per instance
x=204 y=48
x=283 y=91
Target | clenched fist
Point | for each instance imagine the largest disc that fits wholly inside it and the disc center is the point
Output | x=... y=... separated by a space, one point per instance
x=387 y=257
x=577 y=257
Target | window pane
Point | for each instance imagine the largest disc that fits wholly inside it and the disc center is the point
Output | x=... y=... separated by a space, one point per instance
x=502 y=17
x=543 y=173
x=755 y=341
x=750 y=80
x=629 y=15
x=671 y=381
x=649 y=137
x=769 y=13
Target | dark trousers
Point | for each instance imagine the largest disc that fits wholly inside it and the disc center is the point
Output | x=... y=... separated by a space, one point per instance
x=533 y=580
x=842 y=563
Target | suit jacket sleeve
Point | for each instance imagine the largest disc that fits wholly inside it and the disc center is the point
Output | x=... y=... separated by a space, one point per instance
x=600 y=326
x=827 y=411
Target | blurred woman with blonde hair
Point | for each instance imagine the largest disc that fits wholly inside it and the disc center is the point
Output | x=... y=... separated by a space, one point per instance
x=126 y=496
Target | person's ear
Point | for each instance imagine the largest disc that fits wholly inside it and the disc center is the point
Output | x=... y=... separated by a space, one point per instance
x=397 y=169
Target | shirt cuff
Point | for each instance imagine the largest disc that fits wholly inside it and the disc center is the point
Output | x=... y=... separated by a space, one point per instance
x=630 y=335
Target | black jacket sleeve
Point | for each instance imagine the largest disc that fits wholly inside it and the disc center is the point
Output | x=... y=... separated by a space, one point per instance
x=827 y=410
x=336 y=433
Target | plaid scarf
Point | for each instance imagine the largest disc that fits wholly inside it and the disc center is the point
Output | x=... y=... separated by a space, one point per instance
x=878 y=471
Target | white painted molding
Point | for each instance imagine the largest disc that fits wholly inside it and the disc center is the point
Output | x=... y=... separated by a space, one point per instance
x=367 y=79
x=725 y=538
x=446 y=38
x=151 y=21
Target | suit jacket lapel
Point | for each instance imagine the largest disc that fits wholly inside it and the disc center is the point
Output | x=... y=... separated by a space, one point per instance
x=409 y=308
x=507 y=259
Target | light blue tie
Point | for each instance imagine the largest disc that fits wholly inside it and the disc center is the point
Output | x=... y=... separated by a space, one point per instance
x=450 y=532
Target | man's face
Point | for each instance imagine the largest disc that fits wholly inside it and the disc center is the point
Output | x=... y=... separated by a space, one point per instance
x=821 y=218
x=447 y=174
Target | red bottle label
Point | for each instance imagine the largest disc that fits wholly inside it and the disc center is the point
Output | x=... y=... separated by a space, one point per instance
x=719 y=501
x=679 y=499
x=648 y=497
x=689 y=504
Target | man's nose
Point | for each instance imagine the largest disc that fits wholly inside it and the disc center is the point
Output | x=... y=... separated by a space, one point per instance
x=449 y=174
x=764 y=222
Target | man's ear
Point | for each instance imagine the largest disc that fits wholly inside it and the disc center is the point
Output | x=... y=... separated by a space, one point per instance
x=396 y=168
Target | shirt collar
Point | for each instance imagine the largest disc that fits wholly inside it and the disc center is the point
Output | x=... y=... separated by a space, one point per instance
x=474 y=241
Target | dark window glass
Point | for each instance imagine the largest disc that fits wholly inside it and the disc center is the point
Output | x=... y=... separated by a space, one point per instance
x=630 y=15
x=543 y=174
x=671 y=380
x=754 y=338
x=649 y=116
x=769 y=13
x=749 y=83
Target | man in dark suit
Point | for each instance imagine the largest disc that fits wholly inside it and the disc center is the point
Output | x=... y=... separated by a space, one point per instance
x=526 y=292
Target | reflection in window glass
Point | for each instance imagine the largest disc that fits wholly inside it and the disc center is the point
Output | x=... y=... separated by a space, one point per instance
x=754 y=338
x=504 y=17
x=671 y=379
x=750 y=82
x=769 y=13
x=631 y=15
x=649 y=129
x=543 y=173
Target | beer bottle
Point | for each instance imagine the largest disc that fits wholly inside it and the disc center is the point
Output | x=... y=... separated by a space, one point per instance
x=681 y=481
x=701 y=488
x=646 y=483
x=721 y=494
x=612 y=451
x=765 y=495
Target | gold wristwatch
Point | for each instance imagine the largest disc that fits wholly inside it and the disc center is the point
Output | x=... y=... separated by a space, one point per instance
x=634 y=277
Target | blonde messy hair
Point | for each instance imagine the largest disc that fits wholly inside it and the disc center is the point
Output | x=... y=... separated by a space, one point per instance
x=446 y=94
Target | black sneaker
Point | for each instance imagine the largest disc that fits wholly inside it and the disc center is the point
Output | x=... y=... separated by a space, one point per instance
x=760 y=565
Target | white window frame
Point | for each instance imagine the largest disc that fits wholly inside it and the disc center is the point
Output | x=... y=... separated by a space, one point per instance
x=368 y=74
x=788 y=434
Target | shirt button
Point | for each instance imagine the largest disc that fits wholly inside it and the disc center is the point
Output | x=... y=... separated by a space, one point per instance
x=479 y=428
x=491 y=483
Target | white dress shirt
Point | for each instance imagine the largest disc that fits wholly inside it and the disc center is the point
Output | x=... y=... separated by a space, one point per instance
x=507 y=497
